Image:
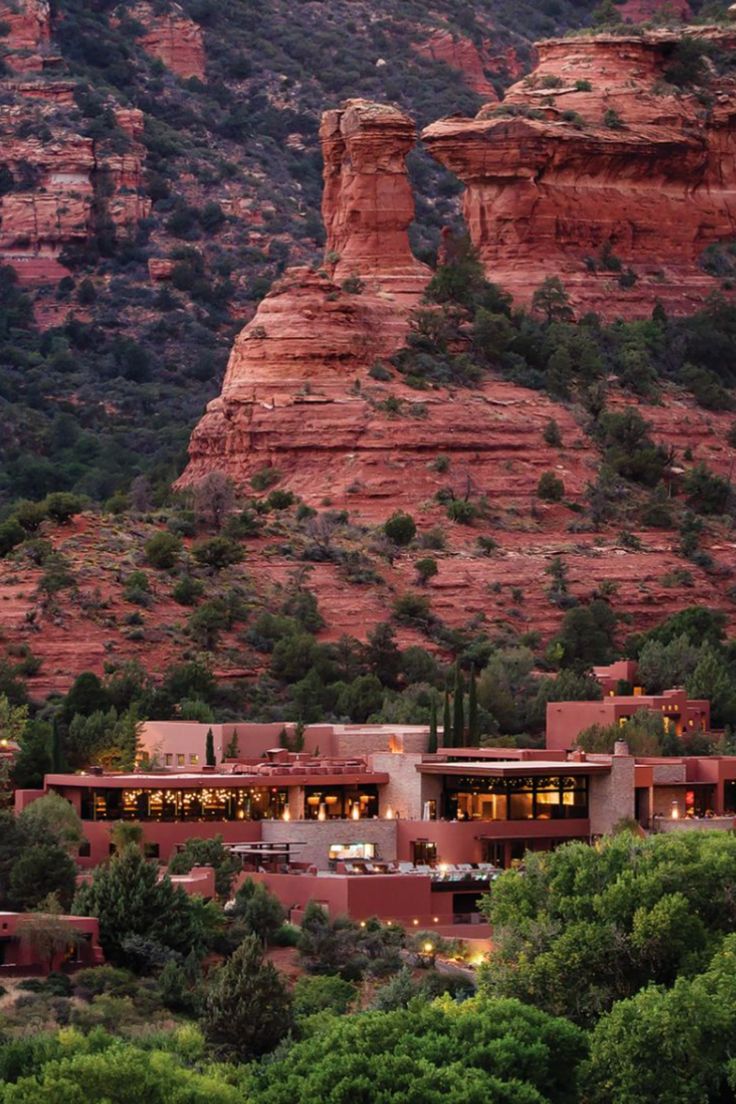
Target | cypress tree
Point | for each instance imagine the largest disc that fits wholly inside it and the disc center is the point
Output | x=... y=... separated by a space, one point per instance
x=447 y=740
x=57 y=755
x=209 y=755
x=432 y=745
x=473 y=723
x=458 y=711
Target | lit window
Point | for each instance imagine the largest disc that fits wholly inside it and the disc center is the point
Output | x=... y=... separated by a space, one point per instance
x=168 y=759
x=181 y=760
x=193 y=759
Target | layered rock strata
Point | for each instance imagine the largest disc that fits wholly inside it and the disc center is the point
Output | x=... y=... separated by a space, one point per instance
x=595 y=162
x=316 y=333
x=173 y=38
x=29 y=33
x=62 y=182
x=465 y=57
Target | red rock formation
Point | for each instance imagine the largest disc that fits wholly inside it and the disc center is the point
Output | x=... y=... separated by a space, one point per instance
x=640 y=11
x=53 y=202
x=174 y=39
x=311 y=336
x=367 y=203
x=30 y=30
x=462 y=54
x=653 y=182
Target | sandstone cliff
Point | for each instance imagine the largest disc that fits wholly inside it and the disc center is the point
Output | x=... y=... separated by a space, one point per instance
x=173 y=38
x=594 y=155
x=316 y=333
x=29 y=33
x=63 y=184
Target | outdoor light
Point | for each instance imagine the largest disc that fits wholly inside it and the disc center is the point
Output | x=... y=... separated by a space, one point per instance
x=415 y=922
x=675 y=814
x=389 y=813
x=435 y=919
x=322 y=814
x=428 y=948
x=362 y=923
x=356 y=811
x=287 y=814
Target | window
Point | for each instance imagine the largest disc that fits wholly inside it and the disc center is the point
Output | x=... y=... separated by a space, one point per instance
x=151 y=850
x=181 y=759
x=521 y=798
x=168 y=759
x=340 y=802
x=193 y=759
x=423 y=852
x=352 y=851
x=200 y=803
x=85 y=850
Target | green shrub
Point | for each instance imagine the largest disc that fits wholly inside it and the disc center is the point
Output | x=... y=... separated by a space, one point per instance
x=400 y=528
x=550 y=487
x=163 y=550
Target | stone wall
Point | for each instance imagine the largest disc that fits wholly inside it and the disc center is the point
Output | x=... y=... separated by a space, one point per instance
x=612 y=795
x=318 y=836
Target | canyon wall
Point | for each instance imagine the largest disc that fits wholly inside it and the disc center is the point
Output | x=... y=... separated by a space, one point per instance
x=596 y=156
x=29 y=34
x=173 y=38
x=63 y=184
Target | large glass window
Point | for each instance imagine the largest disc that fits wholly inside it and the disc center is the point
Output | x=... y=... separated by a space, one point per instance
x=164 y=804
x=340 y=802
x=525 y=798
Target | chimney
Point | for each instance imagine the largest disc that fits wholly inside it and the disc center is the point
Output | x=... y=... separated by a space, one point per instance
x=620 y=748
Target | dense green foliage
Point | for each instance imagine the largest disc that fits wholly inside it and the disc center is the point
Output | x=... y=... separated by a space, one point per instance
x=584 y=927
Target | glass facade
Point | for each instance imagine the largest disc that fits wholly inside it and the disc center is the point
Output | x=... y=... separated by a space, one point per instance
x=340 y=802
x=203 y=803
x=555 y=797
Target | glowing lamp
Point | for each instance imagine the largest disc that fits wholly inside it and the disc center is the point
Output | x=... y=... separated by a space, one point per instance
x=287 y=814
x=356 y=811
x=389 y=813
x=428 y=948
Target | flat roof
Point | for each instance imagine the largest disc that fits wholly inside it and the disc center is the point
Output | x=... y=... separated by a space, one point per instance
x=517 y=768
x=179 y=780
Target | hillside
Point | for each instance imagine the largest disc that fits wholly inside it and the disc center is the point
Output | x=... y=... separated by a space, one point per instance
x=546 y=466
x=161 y=166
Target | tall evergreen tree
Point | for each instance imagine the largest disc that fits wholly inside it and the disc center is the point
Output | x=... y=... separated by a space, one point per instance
x=447 y=740
x=57 y=754
x=458 y=708
x=432 y=745
x=473 y=722
x=210 y=749
x=248 y=1009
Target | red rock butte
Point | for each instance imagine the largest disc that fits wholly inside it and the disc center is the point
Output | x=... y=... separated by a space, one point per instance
x=542 y=195
x=595 y=152
x=317 y=332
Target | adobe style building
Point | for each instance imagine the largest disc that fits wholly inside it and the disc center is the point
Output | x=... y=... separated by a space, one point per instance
x=566 y=720
x=367 y=822
x=20 y=956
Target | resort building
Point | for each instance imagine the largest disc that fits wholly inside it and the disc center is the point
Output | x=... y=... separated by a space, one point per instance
x=566 y=720
x=376 y=825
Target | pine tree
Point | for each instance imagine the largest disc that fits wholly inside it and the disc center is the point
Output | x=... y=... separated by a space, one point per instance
x=473 y=722
x=248 y=1009
x=447 y=740
x=458 y=710
x=432 y=745
x=209 y=756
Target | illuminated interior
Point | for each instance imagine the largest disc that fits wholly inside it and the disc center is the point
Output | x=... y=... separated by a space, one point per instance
x=542 y=798
x=164 y=804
